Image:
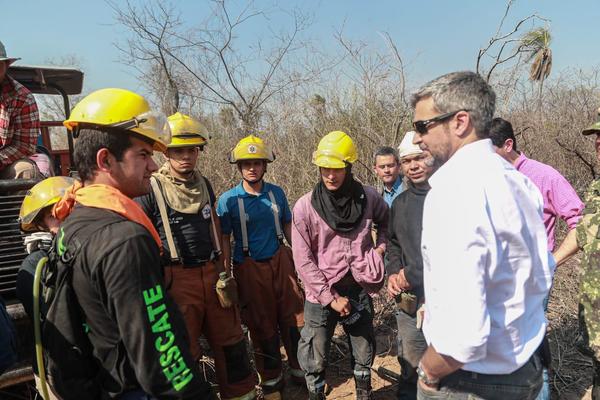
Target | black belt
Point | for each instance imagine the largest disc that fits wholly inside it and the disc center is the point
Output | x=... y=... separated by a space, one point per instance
x=189 y=263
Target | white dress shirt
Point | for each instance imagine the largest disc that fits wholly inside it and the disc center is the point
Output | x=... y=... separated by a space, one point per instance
x=486 y=263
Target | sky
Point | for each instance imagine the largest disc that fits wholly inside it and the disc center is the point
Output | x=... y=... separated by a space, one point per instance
x=433 y=37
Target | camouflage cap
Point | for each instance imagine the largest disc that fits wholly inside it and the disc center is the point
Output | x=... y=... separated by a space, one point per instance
x=594 y=128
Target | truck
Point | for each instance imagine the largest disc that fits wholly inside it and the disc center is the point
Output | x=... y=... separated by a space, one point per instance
x=60 y=81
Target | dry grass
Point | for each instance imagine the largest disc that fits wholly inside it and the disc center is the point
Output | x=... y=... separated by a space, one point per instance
x=571 y=371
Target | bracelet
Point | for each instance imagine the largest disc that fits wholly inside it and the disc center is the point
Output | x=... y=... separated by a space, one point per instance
x=426 y=380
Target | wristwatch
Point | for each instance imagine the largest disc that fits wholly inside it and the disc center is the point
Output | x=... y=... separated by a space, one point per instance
x=426 y=380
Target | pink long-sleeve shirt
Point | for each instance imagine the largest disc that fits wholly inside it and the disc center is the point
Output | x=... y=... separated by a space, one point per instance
x=560 y=199
x=323 y=256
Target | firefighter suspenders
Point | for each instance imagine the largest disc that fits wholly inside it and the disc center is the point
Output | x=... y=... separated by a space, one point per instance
x=244 y=222
x=162 y=208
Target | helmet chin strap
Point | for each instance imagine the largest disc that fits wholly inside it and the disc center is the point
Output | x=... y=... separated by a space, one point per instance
x=255 y=181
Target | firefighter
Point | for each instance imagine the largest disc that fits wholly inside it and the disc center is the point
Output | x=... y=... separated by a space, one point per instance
x=135 y=329
x=36 y=219
x=181 y=208
x=339 y=263
x=271 y=301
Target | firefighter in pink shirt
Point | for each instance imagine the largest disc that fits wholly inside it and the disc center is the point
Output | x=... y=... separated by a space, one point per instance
x=339 y=264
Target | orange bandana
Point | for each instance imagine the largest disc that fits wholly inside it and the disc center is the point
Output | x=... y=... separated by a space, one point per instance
x=108 y=198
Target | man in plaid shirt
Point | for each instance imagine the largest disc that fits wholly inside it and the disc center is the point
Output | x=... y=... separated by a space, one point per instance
x=19 y=125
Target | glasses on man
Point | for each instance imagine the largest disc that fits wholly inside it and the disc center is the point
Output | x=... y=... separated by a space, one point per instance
x=421 y=126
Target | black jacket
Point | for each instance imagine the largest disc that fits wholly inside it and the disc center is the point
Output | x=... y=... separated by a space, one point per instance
x=404 y=246
x=136 y=330
x=191 y=232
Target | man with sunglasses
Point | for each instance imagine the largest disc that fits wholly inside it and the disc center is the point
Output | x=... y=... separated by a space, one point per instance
x=486 y=265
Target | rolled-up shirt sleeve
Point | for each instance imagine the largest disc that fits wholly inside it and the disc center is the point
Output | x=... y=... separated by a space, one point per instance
x=305 y=258
x=455 y=252
x=565 y=201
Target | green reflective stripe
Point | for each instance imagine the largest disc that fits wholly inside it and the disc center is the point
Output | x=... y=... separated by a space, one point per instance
x=173 y=365
x=61 y=248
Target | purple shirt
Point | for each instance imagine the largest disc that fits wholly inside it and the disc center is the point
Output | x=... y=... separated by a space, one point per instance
x=560 y=199
x=323 y=256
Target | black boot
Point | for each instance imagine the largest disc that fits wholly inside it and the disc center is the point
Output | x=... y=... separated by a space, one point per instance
x=363 y=388
x=320 y=395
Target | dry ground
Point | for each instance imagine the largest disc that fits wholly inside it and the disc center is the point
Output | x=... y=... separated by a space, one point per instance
x=570 y=379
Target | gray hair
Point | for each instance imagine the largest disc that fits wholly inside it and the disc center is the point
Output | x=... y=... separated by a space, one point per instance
x=463 y=90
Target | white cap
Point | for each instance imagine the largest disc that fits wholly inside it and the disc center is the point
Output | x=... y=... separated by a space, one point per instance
x=407 y=148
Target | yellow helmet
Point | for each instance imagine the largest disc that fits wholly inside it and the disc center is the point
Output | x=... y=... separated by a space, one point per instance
x=186 y=131
x=335 y=150
x=120 y=108
x=251 y=148
x=43 y=194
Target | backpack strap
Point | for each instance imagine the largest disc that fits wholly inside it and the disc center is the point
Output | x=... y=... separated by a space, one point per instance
x=162 y=208
x=243 y=223
x=275 y=209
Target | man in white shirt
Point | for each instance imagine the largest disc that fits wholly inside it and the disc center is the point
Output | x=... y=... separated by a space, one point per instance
x=486 y=263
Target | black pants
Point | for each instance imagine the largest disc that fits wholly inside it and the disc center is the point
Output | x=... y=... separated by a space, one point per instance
x=523 y=384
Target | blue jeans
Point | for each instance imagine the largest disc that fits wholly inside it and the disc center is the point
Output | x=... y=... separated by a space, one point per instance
x=315 y=341
x=545 y=392
x=523 y=384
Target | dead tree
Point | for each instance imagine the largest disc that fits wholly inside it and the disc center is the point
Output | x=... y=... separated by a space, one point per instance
x=205 y=64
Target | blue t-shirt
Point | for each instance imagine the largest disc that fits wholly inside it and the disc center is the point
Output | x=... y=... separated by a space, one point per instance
x=262 y=235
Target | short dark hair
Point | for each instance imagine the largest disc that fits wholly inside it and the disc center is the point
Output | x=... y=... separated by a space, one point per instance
x=500 y=130
x=386 y=151
x=90 y=141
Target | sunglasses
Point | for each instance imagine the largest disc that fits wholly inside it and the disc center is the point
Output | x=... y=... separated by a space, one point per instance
x=421 y=126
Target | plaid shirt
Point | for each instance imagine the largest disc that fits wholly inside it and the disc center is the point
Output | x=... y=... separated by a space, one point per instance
x=19 y=122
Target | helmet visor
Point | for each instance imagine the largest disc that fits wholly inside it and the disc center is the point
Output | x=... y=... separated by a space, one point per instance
x=152 y=124
x=155 y=122
x=328 y=159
